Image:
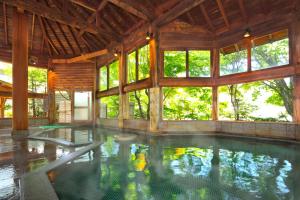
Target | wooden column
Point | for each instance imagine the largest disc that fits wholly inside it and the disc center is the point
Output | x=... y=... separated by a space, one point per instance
x=20 y=70
x=97 y=101
x=2 y=106
x=295 y=58
x=123 y=98
x=215 y=75
x=155 y=91
x=51 y=95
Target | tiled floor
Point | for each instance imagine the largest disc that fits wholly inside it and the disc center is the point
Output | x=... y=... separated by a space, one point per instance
x=18 y=156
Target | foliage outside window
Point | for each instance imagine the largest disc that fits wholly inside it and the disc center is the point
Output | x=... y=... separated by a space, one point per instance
x=233 y=59
x=109 y=76
x=139 y=104
x=103 y=78
x=37 y=80
x=188 y=103
x=197 y=65
x=270 y=51
x=175 y=63
x=258 y=101
x=109 y=107
x=36 y=108
x=138 y=64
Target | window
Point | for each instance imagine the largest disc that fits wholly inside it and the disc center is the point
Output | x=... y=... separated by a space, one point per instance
x=188 y=103
x=82 y=106
x=233 y=59
x=175 y=63
x=109 y=76
x=109 y=107
x=199 y=63
x=270 y=51
x=37 y=80
x=63 y=106
x=36 y=108
x=138 y=64
x=139 y=107
x=258 y=101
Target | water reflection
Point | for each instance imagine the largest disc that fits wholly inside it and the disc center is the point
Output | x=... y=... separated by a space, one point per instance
x=182 y=168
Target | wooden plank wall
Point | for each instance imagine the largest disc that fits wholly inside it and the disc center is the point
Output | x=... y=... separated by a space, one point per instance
x=79 y=76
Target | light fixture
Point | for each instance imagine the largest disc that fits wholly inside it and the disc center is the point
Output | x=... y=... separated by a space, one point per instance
x=116 y=53
x=148 y=35
x=247 y=33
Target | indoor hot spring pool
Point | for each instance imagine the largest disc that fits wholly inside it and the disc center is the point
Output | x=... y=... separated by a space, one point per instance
x=129 y=166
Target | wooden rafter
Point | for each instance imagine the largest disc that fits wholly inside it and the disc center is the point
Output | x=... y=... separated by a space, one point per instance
x=243 y=10
x=75 y=39
x=207 y=19
x=85 y=4
x=43 y=10
x=222 y=10
x=181 y=8
x=45 y=37
x=65 y=37
x=81 y=58
x=56 y=36
x=133 y=8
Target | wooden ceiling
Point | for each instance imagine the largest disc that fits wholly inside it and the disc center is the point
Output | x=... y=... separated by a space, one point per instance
x=68 y=28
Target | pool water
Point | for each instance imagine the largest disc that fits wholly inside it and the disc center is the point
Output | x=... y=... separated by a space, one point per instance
x=181 y=167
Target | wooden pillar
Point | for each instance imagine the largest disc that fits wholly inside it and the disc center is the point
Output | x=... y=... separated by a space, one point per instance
x=97 y=101
x=155 y=91
x=20 y=71
x=51 y=95
x=295 y=58
x=2 y=106
x=215 y=75
x=123 y=97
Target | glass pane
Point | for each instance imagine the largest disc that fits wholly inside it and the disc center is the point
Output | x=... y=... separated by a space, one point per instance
x=270 y=100
x=144 y=62
x=36 y=108
x=188 y=103
x=270 y=51
x=109 y=107
x=139 y=104
x=63 y=106
x=81 y=114
x=131 y=67
x=233 y=59
x=81 y=99
x=103 y=78
x=175 y=64
x=114 y=74
x=8 y=108
x=199 y=63
x=37 y=80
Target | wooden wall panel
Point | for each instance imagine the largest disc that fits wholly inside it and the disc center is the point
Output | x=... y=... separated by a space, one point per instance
x=79 y=76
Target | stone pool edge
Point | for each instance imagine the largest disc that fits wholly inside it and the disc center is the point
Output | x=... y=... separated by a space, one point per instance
x=36 y=185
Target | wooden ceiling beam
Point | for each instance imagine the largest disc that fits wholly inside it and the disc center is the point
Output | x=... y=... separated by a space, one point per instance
x=179 y=9
x=207 y=19
x=56 y=37
x=75 y=39
x=85 y=4
x=243 y=10
x=223 y=13
x=133 y=8
x=65 y=37
x=45 y=36
x=32 y=31
x=80 y=58
x=43 y=10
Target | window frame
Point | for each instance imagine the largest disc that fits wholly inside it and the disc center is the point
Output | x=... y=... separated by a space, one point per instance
x=187 y=64
x=108 y=76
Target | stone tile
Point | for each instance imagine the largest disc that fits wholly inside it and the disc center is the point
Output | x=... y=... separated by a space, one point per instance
x=262 y=129
x=237 y=127
x=226 y=127
x=297 y=133
x=278 y=130
x=249 y=128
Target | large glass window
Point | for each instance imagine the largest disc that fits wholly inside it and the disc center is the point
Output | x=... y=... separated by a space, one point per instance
x=109 y=107
x=139 y=107
x=258 y=101
x=103 y=78
x=138 y=64
x=175 y=63
x=82 y=106
x=270 y=51
x=233 y=59
x=188 y=103
x=199 y=63
x=114 y=74
x=63 y=106
x=36 y=108
x=37 y=80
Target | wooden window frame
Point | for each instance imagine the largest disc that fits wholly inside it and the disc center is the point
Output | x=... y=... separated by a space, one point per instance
x=107 y=78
